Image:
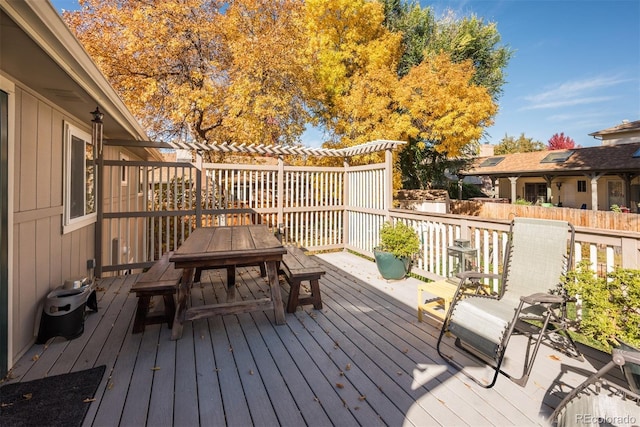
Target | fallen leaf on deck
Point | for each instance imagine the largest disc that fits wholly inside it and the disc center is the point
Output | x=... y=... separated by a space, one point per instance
x=339 y=385
x=155 y=368
x=89 y=400
x=554 y=357
x=35 y=357
x=27 y=396
x=348 y=367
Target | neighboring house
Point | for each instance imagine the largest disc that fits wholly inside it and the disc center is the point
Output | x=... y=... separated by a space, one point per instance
x=48 y=88
x=593 y=178
x=624 y=133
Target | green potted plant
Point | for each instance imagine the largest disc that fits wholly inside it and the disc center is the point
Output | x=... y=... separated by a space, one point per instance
x=398 y=244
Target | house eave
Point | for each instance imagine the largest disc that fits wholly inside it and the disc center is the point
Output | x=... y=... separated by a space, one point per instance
x=77 y=73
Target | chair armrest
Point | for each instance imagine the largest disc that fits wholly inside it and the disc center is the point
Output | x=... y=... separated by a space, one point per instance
x=542 y=298
x=476 y=275
x=470 y=282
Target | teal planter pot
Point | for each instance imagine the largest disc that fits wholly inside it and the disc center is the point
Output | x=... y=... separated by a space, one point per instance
x=390 y=266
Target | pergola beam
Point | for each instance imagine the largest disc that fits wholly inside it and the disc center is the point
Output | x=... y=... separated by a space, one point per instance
x=261 y=149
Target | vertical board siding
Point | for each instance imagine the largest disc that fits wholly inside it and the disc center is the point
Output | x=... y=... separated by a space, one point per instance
x=43 y=257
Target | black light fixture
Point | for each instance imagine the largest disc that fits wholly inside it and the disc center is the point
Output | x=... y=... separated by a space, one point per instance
x=558 y=184
x=97 y=115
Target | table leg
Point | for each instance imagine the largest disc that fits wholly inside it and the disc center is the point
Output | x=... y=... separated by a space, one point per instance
x=184 y=290
x=231 y=283
x=276 y=296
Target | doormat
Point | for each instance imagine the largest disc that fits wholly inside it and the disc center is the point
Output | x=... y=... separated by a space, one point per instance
x=60 y=400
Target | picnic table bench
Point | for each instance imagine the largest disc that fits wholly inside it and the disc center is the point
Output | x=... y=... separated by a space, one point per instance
x=297 y=267
x=162 y=279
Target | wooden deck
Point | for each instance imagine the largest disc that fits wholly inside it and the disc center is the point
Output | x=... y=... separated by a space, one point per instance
x=362 y=360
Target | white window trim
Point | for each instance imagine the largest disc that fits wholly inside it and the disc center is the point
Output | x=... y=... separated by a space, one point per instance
x=68 y=224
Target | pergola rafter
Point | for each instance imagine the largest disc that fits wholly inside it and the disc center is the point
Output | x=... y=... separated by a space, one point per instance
x=261 y=149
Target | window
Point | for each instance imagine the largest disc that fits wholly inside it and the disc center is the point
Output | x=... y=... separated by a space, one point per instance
x=491 y=161
x=616 y=193
x=80 y=180
x=124 y=170
x=582 y=186
x=557 y=157
x=535 y=192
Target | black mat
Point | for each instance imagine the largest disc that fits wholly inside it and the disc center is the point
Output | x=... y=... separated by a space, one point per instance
x=60 y=400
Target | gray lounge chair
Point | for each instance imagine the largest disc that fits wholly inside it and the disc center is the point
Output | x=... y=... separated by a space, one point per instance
x=537 y=255
x=600 y=401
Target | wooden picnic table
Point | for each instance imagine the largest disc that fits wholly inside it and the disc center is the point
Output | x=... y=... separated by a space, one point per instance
x=227 y=247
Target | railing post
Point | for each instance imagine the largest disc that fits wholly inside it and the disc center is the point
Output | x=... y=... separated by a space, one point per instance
x=199 y=171
x=630 y=253
x=96 y=140
x=346 y=203
x=280 y=187
x=388 y=193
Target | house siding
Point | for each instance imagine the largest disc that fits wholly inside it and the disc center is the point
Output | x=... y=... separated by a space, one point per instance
x=43 y=256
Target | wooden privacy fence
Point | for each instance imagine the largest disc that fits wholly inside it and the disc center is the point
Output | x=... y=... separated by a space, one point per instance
x=150 y=208
x=579 y=217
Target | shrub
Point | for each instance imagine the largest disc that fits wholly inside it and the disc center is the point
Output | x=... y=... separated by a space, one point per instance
x=523 y=202
x=611 y=305
x=399 y=239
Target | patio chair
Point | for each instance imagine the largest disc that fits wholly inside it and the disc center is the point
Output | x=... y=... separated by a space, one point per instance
x=599 y=400
x=529 y=300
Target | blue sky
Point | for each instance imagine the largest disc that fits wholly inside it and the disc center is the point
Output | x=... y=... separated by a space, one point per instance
x=575 y=68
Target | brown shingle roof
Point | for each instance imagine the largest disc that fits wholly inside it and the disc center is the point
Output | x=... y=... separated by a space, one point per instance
x=606 y=158
x=621 y=128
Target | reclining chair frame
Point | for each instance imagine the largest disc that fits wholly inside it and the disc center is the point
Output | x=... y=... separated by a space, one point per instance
x=552 y=311
x=602 y=386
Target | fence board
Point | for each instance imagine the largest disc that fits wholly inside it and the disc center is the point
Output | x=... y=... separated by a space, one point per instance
x=606 y=220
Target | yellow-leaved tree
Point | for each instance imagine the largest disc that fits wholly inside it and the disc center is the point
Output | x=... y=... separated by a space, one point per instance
x=448 y=113
x=259 y=71
x=444 y=105
x=354 y=61
x=208 y=70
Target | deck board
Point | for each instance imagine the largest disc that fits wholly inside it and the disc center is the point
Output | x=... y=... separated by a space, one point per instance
x=364 y=359
x=160 y=402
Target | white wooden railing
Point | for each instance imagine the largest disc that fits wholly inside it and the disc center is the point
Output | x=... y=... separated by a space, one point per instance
x=149 y=208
